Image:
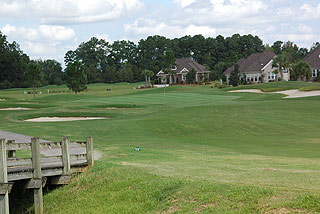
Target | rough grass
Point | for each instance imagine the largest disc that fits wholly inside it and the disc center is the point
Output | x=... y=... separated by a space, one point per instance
x=311 y=88
x=280 y=86
x=203 y=150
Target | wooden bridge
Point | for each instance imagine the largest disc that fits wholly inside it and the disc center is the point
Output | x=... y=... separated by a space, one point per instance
x=37 y=171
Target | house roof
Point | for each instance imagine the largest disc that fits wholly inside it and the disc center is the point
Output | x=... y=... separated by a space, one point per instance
x=254 y=63
x=189 y=64
x=313 y=58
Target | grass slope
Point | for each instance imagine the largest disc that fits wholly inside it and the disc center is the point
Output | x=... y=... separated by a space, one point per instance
x=203 y=150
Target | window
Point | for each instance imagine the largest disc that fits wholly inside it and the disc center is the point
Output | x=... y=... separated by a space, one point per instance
x=271 y=76
x=255 y=77
x=184 y=78
x=315 y=72
x=174 y=68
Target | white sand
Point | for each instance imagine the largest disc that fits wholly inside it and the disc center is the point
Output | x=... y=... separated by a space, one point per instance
x=63 y=119
x=290 y=93
x=248 y=90
x=15 y=109
x=296 y=93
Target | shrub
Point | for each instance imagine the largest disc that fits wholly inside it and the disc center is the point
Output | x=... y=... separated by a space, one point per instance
x=217 y=84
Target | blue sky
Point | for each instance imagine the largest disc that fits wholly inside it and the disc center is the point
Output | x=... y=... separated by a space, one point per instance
x=49 y=28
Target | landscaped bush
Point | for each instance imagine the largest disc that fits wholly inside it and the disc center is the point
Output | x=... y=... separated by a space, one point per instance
x=217 y=84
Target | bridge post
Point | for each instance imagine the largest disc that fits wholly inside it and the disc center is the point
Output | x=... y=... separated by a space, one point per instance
x=4 y=198
x=37 y=192
x=89 y=146
x=65 y=156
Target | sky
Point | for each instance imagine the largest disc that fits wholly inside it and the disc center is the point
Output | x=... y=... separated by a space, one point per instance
x=47 y=29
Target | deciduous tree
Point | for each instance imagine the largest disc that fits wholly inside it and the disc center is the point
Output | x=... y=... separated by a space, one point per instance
x=34 y=76
x=75 y=77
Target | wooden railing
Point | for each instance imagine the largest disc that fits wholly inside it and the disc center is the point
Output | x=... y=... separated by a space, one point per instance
x=35 y=169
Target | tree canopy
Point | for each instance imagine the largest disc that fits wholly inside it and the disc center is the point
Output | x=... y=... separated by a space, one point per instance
x=75 y=77
x=34 y=76
x=302 y=71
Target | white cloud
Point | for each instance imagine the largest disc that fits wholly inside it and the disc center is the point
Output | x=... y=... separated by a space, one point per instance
x=152 y=27
x=310 y=12
x=305 y=29
x=43 y=33
x=68 y=11
x=206 y=17
x=40 y=49
x=304 y=12
x=184 y=3
x=104 y=37
x=237 y=8
x=44 y=42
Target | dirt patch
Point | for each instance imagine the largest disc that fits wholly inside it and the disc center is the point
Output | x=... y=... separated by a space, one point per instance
x=2 y=99
x=14 y=109
x=204 y=206
x=248 y=91
x=63 y=119
x=270 y=169
x=286 y=210
x=173 y=209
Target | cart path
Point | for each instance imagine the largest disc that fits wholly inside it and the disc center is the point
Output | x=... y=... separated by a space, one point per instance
x=19 y=138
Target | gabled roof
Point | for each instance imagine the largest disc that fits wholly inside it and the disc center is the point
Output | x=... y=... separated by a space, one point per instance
x=254 y=63
x=313 y=58
x=189 y=64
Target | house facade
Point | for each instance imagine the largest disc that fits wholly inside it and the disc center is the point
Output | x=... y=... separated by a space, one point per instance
x=313 y=59
x=258 y=68
x=181 y=69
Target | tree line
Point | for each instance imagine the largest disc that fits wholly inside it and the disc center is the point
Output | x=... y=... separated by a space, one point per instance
x=126 y=61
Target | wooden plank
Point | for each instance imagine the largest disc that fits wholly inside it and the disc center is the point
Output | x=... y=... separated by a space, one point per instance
x=65 y=156
x=50 y=145
x=5 y=188
x=13 y=146
x=12 y=162
x=12 y=153
x=37 y=193
x=60 y=180
x=75 y=157
x=45 y=172
x=89 y=147
x=81 y=143
x=36 y=183
x=4 y=199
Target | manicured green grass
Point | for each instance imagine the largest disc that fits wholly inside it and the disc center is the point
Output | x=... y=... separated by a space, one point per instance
x=202 y=149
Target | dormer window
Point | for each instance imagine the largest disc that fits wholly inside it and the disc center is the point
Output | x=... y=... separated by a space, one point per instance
x=319 y=56
x=174 y=68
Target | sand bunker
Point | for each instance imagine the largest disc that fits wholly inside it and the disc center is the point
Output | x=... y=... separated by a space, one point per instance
x=248 y=90
x=15 y=109
x=290 y=93
x=62 y=119
x=296 y=93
